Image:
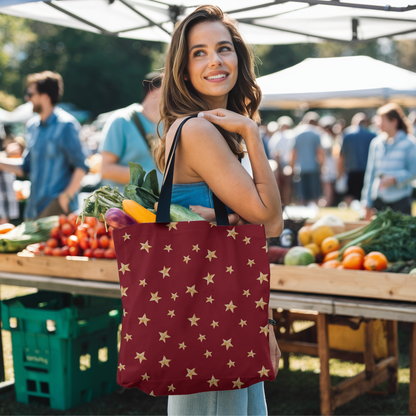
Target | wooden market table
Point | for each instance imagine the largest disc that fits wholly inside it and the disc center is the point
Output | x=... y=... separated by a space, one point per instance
x=329 y=294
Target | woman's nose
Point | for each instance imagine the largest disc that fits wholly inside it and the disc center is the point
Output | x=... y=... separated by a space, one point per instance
x=215 y=60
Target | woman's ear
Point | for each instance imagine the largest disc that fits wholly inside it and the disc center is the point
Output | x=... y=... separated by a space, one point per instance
x=185 y=77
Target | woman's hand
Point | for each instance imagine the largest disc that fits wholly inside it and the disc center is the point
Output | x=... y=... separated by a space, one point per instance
x=275 y=353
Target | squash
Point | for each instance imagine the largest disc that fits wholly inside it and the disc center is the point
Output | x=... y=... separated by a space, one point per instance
x=138 y=212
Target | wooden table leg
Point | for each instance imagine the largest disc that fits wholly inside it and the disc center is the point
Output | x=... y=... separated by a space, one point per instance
x=369 y=349
x=412 y=386
x=2 y=373
x=286 y=326
x=393 y=350
x=324 y=378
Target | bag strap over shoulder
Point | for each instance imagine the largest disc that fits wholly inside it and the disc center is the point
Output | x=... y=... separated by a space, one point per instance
x=163 y=210
x=148 y=137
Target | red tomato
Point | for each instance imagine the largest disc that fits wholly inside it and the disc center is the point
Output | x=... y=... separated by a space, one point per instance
x=74 y=251
x=62 y=219
x=65 y=251
x=93 y=243
x=56 y=251
x=110 y=253
x=72 y=219
x=100 y=228
x=52 y=242
x=111 y=243
x=83 y=243
x=91 y=221
x=82 y=231
x=104 y=241
x=48 y=251
x=73 y=241
x=42 y=245
x=88 y=252
x=55 y=232
x=64 y=240
x=98 y=253
x=67 y=229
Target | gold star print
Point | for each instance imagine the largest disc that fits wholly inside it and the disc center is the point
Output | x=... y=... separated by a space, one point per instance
x=238 y=383
x=232 y=233
x=163 y=336
x=263 y=372
x=143 y=283
x=140 y=357
x=196 y=248
x=121 y=367
x=186 y=259
x=194 y=320
x=231 y=364
x=124 y=312
x=143 y=320
x=155 y=297
x=210 y=300
x=227 y=343
x=182 y=346
x=171 y=313
x=172 y=225
x=151 y=393
x=242 y=323
x=211 y=255
x=165 y=271
x=213 y=381
x=264 y=330
x=128 y=337
x=251 y=354
x=266 y=248
x=247 y=240
x=126 y=236
x=212 y=224
x=262 y=277
x=171 y=388
x=191 y=373
x=246 y=293
x=164 y=362
x=191 y=290
x=229 y=269
x=250 y=262
x=145 y=377
x=201 y=338
x=145 y=246
x=124 y=268
x=209 y=278
x=214 y=324
x=168 y=248
x=123 y=291
x=260 y=303
x=174 y=296
x=208 y=354
x=230 y=306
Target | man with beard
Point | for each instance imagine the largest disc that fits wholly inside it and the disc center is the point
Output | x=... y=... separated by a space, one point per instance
x=53 y=158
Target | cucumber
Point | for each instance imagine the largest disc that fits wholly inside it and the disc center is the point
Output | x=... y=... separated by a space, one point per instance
x=180 y=213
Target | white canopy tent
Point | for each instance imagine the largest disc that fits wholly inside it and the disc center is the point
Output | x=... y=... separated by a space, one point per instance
x=268 y=22
x=346 y=82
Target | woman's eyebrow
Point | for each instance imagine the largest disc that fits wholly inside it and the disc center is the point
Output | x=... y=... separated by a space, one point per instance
x=223 y=42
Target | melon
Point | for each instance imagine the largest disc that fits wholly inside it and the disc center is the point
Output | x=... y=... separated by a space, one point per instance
x=299 y=256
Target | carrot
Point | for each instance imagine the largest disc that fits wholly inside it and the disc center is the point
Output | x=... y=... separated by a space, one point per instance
x=138 y=212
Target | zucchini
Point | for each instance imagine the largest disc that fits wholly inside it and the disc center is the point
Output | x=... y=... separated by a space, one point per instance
x=179 y=213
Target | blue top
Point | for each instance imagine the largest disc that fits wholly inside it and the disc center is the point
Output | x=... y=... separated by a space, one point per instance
x=395 y=159
x=307 y=142
x=186 y=194
x=121 y=137
x=53 y=152
x=355 y=149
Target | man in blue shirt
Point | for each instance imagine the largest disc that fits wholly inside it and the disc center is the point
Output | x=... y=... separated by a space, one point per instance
x=53 y=157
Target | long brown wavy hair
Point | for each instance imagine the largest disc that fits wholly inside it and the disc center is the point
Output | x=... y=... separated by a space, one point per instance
x=180 y=99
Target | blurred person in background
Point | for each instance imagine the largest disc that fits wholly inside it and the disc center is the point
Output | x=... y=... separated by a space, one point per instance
x=307 y=159
x=280 y=148
x=391 y=166
x=354 y=154
x=129 y=134
x=53 y=158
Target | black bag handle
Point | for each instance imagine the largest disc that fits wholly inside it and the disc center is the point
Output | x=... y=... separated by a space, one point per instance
x=163 y=208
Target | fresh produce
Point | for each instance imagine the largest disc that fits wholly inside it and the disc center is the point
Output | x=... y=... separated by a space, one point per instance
x=331 y=264
x=375 y=261
x=402 y=267
x=329 y=244
x=413 y=272
x=117 y=218
x=314 y=247
x=320 y=233
x=305 y=235
x=353 y=261
x=353 y=249
x=277 y=254
x=299 y=256
x=138 y=212
x=333 y=255
x=5 y=228
x=332 y=221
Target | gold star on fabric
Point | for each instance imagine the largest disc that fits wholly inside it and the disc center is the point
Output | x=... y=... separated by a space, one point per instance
x=194 y=320
x=145 y=246
x=232 y=233
x=140 y=357
x=227 y=343
x=155 y=297
x=251 y=354
x=242 y=323
x=262 y=277
x=247 y=240
x=263 y=372
x=168 y=248
x=163 y=336
x=128 y=337
x=123 y=291
x=212 y=224
x=209 y=278
x=174 y=296
x=229 y=269
x=124 y=268
x=171 y=313
x=121 y=367
x=164 y=362
x=143 y=283
x=191 y=290
x=246 y=293
x=143 y=320
x=210 y=300
x=171 y=388
x=213 y=381
x=231 y=364
x=230 y=306
x=260 y=303
x=152 y=394
x=145 y=377
x=238 y=383
x=124 y=312
x=191 y=373
x=182 y=346
x=250 y=262
x=126 y=236
x=186 y=259
x=196 y=248
x=266 y=248
x=208 y=354
x=264 y=330
x=201 y=338
x=211 y=255
x=214 y=324
x=172 y=225
x=165 y=271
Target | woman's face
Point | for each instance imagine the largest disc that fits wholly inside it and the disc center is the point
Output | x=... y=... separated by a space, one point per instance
x=212 y=65
x=388 y=126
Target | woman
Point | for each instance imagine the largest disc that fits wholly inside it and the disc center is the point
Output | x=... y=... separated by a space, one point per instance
x=391 y=166
x=209 y=72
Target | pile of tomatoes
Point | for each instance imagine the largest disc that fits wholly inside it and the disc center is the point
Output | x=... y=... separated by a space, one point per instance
x=73 y=239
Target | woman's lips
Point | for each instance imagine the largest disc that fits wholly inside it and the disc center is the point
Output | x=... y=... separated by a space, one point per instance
x=218 y=78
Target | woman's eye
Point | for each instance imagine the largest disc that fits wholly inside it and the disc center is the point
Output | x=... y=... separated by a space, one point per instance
x=198 y=53
x=224 y=49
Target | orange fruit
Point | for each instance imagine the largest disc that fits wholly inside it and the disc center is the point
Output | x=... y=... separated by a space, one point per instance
x=331 y=264
x=353 y=249
x=353 y=261
x=331 y=256
x=329 y=244
x=320 y=233
x=375 y=261
x=305 y=235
